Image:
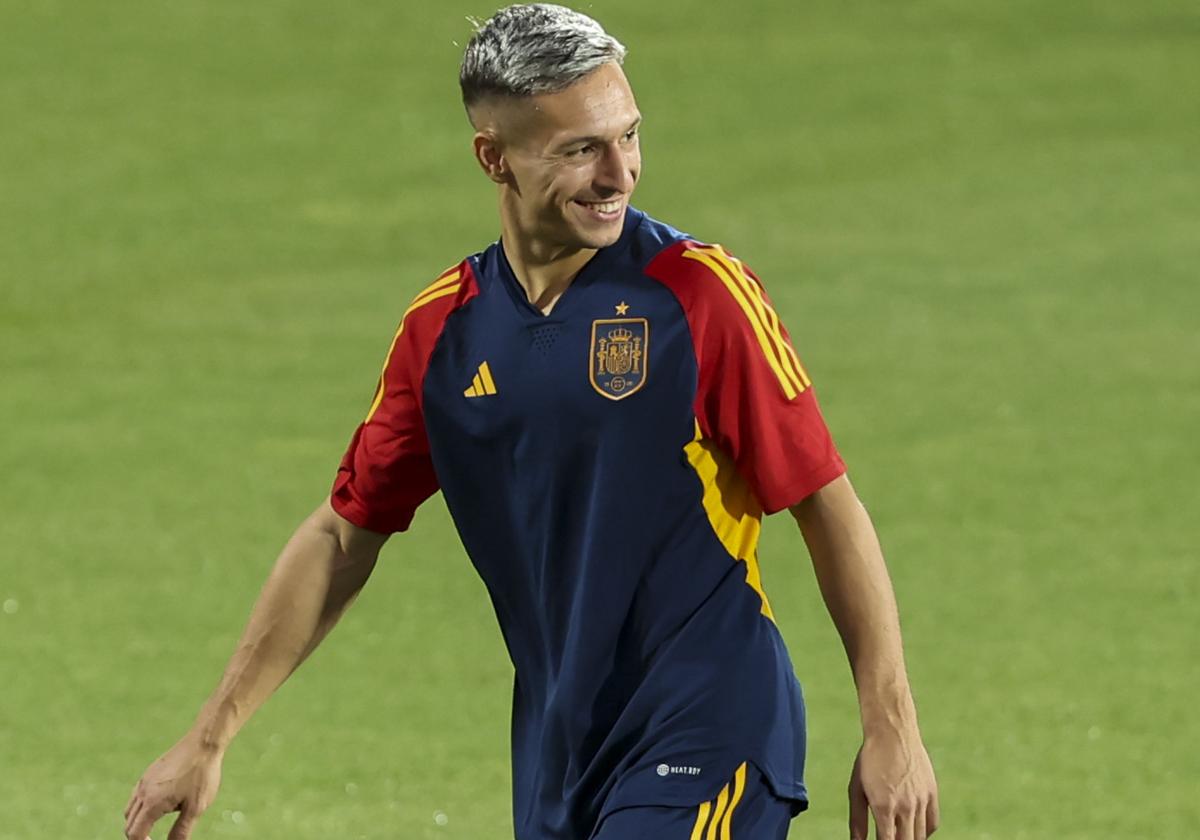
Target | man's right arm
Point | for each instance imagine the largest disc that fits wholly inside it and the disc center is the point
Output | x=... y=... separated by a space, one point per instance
x=317 y=576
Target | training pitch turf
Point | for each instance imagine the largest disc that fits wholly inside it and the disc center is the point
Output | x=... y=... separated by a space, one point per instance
x=979 y=221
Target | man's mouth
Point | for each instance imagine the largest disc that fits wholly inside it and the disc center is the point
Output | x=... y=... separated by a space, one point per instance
x=604 y=208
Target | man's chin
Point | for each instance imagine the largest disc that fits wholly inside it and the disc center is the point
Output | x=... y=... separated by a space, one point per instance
x=598 y=234
x=595 y=239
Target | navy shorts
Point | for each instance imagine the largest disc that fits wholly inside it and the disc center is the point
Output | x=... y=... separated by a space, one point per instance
x=745 y=809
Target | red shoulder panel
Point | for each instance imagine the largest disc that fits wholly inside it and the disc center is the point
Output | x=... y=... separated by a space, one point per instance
x=753 y=396
x=387 y=472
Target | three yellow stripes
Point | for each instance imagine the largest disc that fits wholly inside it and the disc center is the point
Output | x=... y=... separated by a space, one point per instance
x=717 y=816
x=482 y=385
x=446 y=284
x=762 y=317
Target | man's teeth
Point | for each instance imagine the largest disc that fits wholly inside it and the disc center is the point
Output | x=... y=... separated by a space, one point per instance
x=606 y=207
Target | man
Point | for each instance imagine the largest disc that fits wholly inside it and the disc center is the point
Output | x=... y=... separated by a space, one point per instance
x=608 y=407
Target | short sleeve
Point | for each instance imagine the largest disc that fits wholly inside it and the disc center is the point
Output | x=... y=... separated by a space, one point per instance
x=387 y=471
x=754 y=398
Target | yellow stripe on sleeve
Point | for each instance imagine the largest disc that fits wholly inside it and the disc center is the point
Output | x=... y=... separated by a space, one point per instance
x=772 y=328
x=433 y=294
x=445 y=285
x=768 y=315
x=786 y=381
x=739 y=786
x=701 y=821
x=776 y=328
x=764 y=311
x=447 y=277
x=379 y=392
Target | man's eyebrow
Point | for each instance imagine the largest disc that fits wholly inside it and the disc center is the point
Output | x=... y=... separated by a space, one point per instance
x=574 y=141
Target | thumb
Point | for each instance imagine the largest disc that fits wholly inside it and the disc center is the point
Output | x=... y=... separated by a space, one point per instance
x=182 y=829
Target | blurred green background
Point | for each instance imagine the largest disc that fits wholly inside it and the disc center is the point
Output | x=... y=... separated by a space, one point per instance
x=980 y=222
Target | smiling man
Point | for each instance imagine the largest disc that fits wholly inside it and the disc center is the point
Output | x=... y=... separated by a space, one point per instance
x=608 y=406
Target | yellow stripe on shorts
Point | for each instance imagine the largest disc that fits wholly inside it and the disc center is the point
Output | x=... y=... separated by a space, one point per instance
x=720 y=810
x=701 y=821
x=739 y=787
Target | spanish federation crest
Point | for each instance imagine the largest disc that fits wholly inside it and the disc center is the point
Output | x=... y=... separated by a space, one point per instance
x=618 y=355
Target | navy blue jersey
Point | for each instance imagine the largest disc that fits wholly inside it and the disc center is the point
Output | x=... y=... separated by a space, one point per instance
x=607 y=466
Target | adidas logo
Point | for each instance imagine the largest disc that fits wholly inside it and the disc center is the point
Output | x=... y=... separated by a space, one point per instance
x=482 y=385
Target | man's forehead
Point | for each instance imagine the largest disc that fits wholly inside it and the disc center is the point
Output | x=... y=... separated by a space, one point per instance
x=600 y=103
x=604 y=87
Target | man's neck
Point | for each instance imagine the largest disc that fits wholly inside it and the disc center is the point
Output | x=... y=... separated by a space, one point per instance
x=544 y=270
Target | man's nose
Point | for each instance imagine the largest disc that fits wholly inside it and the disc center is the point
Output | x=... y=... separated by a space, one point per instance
x=614 y=172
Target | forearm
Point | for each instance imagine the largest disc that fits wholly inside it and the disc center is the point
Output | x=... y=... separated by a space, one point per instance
x=857 y=590
x=312 y=583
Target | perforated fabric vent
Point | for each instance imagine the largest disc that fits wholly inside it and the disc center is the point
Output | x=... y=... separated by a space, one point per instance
x=544 y=337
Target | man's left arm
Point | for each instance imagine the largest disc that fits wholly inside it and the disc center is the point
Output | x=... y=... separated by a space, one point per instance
x=893 y=776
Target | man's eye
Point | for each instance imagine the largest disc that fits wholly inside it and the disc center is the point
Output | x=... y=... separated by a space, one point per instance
x=631 y=134
x=582 y=150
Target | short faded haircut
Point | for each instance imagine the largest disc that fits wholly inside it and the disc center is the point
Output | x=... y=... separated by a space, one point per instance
x=533 y=48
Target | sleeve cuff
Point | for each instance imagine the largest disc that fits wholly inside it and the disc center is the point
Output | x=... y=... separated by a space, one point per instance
x=792 y=494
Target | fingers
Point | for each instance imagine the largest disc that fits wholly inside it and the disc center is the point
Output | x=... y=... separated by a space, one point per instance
x=933 y=817
x=144 y=820
x=133 y=807
x=135 y=810
x=912 y=825
x=918 y=824
x=182 y=829
x=885 y=825
x=891 y=824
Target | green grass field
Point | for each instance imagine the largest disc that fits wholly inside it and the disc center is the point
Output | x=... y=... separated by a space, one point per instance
x=980 y=222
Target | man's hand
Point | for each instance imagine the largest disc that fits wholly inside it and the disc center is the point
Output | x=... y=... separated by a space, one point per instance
x=184 y=779
x=316 y=578
x=893 y=779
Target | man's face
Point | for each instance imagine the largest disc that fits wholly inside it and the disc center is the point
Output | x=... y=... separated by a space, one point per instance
x=573 y=160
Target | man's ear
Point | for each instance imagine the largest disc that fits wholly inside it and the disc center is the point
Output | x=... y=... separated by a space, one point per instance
x=490 y=156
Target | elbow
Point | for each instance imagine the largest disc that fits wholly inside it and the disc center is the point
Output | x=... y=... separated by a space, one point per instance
x=356 y=548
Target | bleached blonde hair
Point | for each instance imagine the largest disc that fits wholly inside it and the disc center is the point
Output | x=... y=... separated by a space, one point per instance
x=533 y=48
